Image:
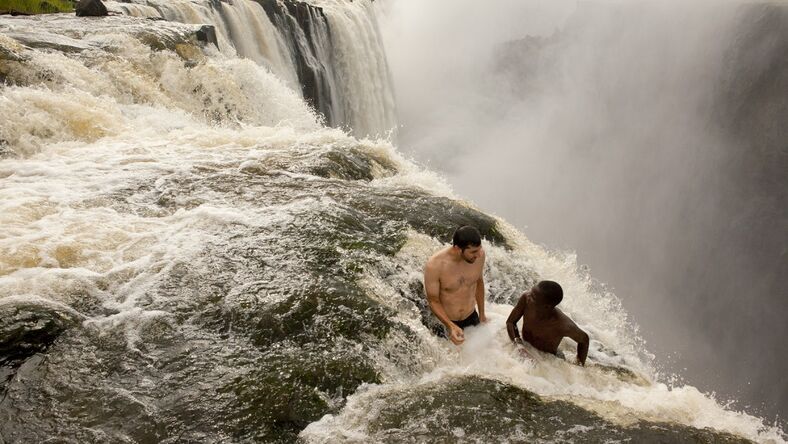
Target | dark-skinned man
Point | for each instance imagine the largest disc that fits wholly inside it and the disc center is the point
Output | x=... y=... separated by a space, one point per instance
x=544 y=325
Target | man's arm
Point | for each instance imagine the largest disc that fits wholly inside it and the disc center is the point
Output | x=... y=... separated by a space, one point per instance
x=514 y=316
x=480 y=289
x=480 y=298
x=432 y=287
x=582 y=340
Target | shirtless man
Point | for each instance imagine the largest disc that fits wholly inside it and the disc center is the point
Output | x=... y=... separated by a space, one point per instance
x=454 y=284
x=544 y=325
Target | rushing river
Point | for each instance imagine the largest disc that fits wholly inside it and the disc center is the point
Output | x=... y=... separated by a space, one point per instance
x=196 y=249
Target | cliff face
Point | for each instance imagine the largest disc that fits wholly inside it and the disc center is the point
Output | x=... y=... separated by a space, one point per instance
x=751 y=105
x=307 y=33
x=751 y=100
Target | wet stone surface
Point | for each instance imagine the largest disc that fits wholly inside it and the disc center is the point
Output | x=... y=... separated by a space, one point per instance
x=28 y=327
x=263 y=331
x=474 y=409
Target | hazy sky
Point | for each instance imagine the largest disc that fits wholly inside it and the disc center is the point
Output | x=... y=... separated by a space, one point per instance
x=602 y=133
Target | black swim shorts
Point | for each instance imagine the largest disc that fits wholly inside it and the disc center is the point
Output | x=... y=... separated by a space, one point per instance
x=470 y=321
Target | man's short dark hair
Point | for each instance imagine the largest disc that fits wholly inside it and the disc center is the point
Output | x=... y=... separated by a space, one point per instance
x=552 y=292
x=466 y=236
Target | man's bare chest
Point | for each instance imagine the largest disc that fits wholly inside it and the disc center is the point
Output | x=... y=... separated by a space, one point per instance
x=541 y=328
x=459 y=278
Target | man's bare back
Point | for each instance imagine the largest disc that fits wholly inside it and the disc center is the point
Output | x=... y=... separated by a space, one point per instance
x=545 y=325
x=455 y=287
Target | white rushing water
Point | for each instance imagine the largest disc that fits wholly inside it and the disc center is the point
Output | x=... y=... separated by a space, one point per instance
x=82 y=126
x=242 y=29
x=364 y=78
x=359 y=86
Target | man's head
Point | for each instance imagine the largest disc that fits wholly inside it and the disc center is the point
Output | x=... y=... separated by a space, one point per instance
x=548 y=292
x=469 y=242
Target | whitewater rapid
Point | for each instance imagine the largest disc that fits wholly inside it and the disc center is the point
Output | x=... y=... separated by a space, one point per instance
x=168 y=198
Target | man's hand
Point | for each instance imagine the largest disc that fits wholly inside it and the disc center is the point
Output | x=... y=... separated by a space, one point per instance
x=524 y=353
x=482 y=317
x=520 y=346
x=456 y=335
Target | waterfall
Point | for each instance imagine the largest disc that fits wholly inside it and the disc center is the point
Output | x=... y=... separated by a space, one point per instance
x=330 y=52
x=364 y=81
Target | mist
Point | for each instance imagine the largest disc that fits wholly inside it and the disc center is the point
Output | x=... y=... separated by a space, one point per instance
x=649 y=138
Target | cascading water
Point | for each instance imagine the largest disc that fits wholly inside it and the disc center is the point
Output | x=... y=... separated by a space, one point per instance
x=188 y=254
x=326 y=50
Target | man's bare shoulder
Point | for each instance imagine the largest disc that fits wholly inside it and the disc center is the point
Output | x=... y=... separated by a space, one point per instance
x=437 y=260
x=566 y=321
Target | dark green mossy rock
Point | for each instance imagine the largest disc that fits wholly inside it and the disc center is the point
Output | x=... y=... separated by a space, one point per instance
x=293 y=387
x=475 y=409
x=332 y=311
x=339 y=163
x=352 y=164
x=432 y=215
x=28 y=327
x=91 y=8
